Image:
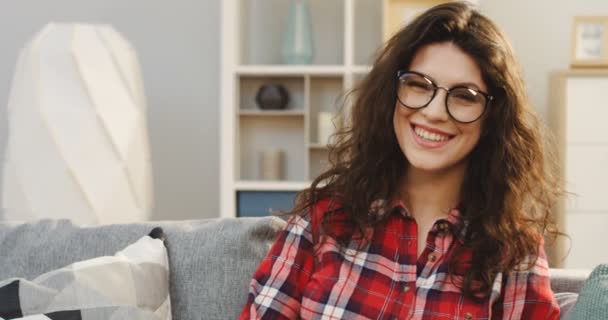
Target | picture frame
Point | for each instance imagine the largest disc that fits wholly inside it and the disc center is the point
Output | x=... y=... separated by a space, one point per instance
x=398 y=13
x=589 y=41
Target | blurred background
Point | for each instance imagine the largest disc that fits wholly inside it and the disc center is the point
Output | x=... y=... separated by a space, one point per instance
x=178 y=45
x=238 y=93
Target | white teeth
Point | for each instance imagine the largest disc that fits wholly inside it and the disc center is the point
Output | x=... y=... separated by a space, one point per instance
x=430 y=135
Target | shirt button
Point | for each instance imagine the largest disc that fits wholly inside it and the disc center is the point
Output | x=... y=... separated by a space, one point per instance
x=468 y=316
x=406 y=288
x=432 y=257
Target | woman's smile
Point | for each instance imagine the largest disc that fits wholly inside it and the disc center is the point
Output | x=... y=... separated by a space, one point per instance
x=428 y=137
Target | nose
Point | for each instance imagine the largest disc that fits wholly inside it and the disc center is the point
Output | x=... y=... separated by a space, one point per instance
x=436 y=109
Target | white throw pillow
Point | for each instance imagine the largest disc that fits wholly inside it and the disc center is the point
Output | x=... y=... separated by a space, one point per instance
x=131 y=285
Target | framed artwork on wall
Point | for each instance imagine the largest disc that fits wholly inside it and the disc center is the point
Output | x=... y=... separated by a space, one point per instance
x=398 y=13
x=590 y=41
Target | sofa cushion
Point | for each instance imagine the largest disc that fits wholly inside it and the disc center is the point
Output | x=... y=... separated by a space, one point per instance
x=566 y=301
x=211 y=261
x=131 y=285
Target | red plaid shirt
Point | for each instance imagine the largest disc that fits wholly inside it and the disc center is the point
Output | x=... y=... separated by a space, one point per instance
x=307 y=276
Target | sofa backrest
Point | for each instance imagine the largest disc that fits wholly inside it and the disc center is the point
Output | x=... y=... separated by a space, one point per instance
x=212 y=261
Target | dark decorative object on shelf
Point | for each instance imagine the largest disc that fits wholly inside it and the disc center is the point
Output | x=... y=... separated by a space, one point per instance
x=272 y=97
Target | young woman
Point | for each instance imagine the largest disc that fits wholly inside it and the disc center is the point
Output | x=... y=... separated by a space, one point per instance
x=438 y=197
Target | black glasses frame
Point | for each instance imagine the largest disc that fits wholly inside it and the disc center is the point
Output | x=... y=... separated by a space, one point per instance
x=488 y=97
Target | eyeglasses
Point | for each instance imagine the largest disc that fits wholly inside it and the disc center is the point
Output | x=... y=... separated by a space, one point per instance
x=463 y=104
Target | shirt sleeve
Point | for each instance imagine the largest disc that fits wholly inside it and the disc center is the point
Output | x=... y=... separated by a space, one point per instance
x=275 y=291
x=528 y=294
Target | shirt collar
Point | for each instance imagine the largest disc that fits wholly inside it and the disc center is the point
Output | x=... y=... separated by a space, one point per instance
x=381 y=211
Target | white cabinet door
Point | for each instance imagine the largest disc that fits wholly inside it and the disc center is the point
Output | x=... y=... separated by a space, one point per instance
x=588 y=236
x=587 y=109
x=587 y=178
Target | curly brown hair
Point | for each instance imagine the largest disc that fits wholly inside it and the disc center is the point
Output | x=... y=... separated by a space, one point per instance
x=509 y=186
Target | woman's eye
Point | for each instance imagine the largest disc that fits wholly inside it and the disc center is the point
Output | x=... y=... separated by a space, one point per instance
x=418 y=85
x=466 y=97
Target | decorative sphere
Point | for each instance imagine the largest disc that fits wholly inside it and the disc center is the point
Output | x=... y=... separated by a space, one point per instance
x=272 y=97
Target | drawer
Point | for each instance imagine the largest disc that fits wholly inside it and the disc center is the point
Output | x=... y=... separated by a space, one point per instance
x=587 y=232
x=586 y=109
x=587 y=177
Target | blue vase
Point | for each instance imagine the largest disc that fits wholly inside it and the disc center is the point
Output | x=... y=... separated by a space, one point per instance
x=297 y=40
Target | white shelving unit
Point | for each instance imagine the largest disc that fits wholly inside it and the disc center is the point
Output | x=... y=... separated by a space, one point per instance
x=578 y=118
x=346 y=35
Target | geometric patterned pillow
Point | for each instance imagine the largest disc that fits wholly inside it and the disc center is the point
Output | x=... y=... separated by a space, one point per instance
x=131 y=285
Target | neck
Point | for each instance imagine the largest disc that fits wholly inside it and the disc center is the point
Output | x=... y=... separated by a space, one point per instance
x=431 y=194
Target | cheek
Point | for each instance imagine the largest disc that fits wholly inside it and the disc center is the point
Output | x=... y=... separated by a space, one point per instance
x=399 y=124
x=471 y=134
x=400 y=118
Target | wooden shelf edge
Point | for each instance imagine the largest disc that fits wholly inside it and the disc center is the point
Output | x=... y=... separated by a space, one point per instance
x=290 y=70
x=361 y=69
x=319 y=146
x=273 y=113
x=271 y=185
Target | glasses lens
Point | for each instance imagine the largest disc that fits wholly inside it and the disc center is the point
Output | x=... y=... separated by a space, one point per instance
x=466 y=105
x=415 y=91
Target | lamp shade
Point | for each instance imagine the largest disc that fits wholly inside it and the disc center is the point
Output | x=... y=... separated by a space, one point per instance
x=78 y=144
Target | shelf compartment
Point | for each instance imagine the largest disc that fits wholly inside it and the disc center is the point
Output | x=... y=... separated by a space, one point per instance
x=249 y=86
x=325 y=94
x=263 y=23
x=368 y=30
x=259 y=133
x=319 y=162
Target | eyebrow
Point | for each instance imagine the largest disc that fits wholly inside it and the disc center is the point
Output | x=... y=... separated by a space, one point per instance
x=459 y=84
x=468 y=85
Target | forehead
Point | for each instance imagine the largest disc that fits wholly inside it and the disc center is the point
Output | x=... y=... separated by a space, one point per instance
x=448 y=65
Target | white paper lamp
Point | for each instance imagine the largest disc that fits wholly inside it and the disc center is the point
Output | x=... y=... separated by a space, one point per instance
x=78 y=144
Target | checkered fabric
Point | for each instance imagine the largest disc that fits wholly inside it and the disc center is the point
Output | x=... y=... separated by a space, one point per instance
x=131 y=285
x=306 y=275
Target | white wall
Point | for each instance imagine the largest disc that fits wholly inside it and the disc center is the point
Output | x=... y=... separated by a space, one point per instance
x=540 y=31
x=178 y=46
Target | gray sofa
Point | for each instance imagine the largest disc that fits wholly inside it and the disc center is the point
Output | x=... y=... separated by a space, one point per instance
x=211 y=261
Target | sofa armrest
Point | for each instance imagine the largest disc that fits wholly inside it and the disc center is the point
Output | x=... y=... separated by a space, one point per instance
x=568 y=280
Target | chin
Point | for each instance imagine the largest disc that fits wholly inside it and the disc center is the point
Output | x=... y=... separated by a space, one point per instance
x=432 y=164
x=428 y=166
